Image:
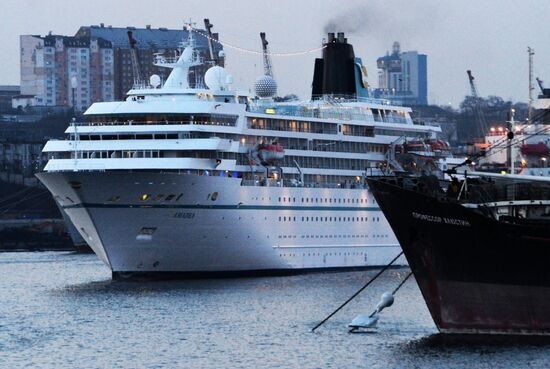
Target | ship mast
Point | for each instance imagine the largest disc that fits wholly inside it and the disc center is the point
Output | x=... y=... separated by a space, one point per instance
x=531 y=52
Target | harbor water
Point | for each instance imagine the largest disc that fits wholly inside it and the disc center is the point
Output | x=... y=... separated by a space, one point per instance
x=61 y=310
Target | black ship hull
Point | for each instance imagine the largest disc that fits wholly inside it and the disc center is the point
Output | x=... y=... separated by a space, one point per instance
x=476 y=274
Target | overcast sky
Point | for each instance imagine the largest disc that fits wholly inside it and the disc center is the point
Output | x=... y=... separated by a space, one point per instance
x=488 y=36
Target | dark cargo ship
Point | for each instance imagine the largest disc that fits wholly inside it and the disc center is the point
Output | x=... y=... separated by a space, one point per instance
x=479 y=249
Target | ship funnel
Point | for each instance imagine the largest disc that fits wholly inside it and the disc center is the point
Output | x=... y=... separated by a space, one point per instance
x=338 y=73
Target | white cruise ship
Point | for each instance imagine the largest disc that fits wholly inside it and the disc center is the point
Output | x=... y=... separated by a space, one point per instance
x=201 y=180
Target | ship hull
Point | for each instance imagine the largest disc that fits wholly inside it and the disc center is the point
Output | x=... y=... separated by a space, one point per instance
x=214 y=225
x=477 y=275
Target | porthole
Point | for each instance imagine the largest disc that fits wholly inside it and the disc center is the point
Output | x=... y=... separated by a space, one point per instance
x=214 y=196
x=144 y=197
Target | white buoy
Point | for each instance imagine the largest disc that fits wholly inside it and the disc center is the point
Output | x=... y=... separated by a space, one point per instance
x=370 y=321
x=363 y=322
x=386 y=300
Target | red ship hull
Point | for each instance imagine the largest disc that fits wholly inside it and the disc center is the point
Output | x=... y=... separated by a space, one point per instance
x=476 y=274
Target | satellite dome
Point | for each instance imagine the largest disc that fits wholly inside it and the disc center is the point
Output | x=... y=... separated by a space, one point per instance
x=265 y=86
x=154 y=80
x=216 y=78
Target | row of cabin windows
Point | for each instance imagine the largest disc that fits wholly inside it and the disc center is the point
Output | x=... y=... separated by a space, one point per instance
x=288 y=161
x=325 y=163
x=292 y=126
x=108 y=154
x=335 y=236
x=288 y=143
x=329 y=219
x=323 y=199
x=137 y=154
x=274 y=124
x=297 y=143
x=107 y=137
x=325 y=254
x=199 y=119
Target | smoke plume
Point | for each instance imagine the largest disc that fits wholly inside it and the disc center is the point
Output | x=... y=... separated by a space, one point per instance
x=378 y=19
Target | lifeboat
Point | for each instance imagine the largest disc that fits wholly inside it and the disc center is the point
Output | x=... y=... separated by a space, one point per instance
x=535 y=149
x=270 y=153
x=415 y=146
x=438 y=145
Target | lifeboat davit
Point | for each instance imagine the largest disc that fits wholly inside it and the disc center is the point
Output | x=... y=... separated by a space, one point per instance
x=270 y=153
x=535 y=149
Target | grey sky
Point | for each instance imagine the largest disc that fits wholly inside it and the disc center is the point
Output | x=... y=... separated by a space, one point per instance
x=488 y=36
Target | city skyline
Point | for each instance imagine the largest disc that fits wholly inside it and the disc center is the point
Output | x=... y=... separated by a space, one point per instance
x=491 y=38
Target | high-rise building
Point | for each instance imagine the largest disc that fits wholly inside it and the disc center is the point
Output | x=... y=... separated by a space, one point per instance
x=96 y=63
x=403 y=77
x=149 y=41
x=66 y=71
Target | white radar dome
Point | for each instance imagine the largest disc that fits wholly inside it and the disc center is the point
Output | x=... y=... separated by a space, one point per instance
x=216 y=78
x=265 y=86
x=154 y=80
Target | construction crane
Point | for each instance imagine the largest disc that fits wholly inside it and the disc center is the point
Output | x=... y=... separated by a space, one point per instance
x=208 y=27
x=541 y=85
x=135 y=62
x=478 y=110
x=268 y=70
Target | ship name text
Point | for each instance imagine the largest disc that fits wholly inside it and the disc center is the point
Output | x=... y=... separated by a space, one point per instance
x=438 y=219
x=184 y=215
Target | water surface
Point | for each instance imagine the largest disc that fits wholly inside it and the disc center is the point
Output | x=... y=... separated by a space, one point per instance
x=61 y=310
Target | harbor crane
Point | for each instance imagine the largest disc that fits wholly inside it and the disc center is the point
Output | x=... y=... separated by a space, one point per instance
x=268 y=69
x=541 y=85
x=478 y=110
x=135 y=61
x=208 y=27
